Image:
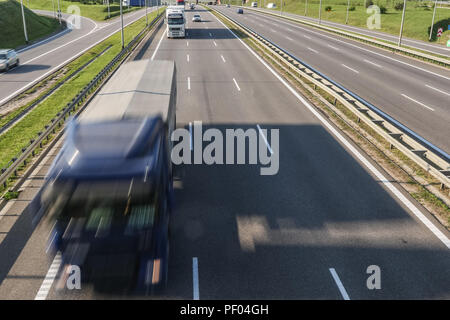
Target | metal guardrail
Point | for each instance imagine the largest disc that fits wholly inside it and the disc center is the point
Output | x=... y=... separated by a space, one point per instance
x=21 y=159
x=425 y=154
x=424 y=56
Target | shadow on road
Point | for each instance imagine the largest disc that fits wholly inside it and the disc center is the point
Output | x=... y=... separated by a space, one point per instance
x=27 y=68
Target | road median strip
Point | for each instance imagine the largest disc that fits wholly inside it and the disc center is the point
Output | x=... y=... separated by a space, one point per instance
x=29 y=136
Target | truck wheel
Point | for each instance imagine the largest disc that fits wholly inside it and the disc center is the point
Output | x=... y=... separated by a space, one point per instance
x=7 y=67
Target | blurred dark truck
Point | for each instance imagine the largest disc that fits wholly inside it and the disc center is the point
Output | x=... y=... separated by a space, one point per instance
x=109 y=190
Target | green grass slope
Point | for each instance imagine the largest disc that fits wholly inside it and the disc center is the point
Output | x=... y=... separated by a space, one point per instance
x=88 y=9
x=11 y=25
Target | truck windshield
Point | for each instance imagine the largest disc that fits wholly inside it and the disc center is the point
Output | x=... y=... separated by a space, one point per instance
x=175 y=20
x=103 y=204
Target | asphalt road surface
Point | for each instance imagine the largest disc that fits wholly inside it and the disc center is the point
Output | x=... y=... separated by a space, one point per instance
x=413 y=43
x=41 y=59
x=414 y=93
x=309 y=232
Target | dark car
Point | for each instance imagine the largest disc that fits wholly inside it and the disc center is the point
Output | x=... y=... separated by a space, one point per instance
x=240 y=11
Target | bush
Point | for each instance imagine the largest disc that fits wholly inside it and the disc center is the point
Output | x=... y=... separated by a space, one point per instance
x=383 y=10
x=398 y=6
x=328 y=8
x=352 y=8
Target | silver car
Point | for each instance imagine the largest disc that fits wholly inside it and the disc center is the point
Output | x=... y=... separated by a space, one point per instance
x=8 y=59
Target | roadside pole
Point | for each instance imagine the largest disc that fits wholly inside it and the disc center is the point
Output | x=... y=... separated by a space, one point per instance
x=146 y=16
x=348 y=6
x=54 y=13
x=306 y=7
x=59 y=12
x=109 y=12
x=24 y=24
x=401 y=26
x=320 y=12
x=121 y=20
x=432 y=21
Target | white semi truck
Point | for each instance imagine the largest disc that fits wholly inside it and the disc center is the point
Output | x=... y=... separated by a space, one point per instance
x=176 y=22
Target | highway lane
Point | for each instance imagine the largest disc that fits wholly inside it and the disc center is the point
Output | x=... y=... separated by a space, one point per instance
x=413 y=43
x=38 y=61
x=266 y=237
x=412 y=92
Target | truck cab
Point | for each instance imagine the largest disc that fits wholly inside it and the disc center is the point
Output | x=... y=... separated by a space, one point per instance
x=176 y=22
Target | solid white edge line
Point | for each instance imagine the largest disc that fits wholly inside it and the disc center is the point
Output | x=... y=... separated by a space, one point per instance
x=442 y=237
x=418 y=102
x=237 y=86
x=264 y=138
x=196 y=290
x=49 y=278
x=339 y=284
x=157 y=46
